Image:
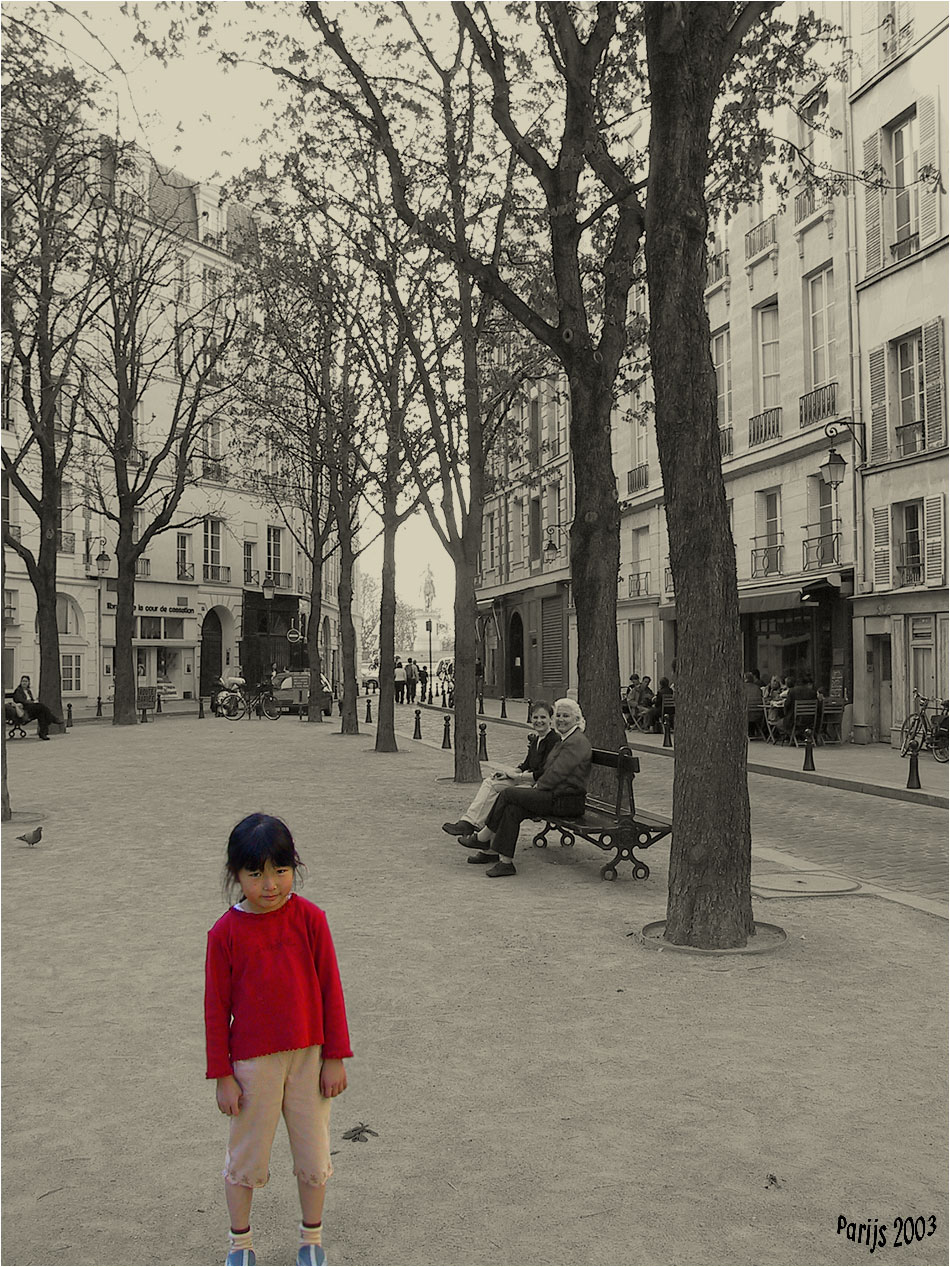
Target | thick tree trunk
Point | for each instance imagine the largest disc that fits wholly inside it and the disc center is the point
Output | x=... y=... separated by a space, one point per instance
x=314 y=699
x=710 y=861
x=595 y=563
x=123 y=668
x=6 y=810
x=350 y=721
x=467 y=767
x=49 y=688
x=385 y=722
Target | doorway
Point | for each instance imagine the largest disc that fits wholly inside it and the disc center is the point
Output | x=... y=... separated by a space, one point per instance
x=515 y=657
x=881 y=718
x=211 y=640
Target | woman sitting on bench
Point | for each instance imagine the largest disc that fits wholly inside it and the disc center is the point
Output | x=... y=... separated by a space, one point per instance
x=561 y=789
x=29 y=709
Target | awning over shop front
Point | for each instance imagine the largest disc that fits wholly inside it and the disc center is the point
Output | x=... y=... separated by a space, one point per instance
x=786 y=599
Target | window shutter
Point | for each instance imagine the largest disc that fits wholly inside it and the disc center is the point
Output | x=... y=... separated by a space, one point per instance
x=881 y=546
x=552 y=641
x=934 y=396
x=873 y=206
x=877 y=362
x=933 y=540
x=929 y=205
x=870 y=38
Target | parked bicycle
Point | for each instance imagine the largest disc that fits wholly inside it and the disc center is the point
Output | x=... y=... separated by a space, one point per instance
x=928 y=733
x=240 y=702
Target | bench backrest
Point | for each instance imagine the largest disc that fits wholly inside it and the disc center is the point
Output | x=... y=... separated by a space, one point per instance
x=627 y=767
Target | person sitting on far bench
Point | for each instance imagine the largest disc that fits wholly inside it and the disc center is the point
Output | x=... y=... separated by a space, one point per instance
x=561 y=789
x=30 y=709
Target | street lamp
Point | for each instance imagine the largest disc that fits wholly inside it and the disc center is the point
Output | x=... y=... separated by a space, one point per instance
x=551 y=550
x=102 y=559
x=102 y=562
x=833 y=468
x=269 y=588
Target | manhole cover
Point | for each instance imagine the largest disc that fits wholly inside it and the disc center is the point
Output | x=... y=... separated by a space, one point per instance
x=806 y=882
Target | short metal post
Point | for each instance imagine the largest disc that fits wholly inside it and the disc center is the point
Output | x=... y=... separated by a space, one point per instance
x=481 y=705
x=201 y=707
x=144 y=716
x=417 y=732
x=504 y=711
x=158 y=703
x=528 y=718
x=667 y=733
x=809 y=751
x=430 y=694
x=69 y=714
x=446 y=736
x=443 y=695
x=913 y=773
x=99 y=706
x=482 y=742
x=369 y=709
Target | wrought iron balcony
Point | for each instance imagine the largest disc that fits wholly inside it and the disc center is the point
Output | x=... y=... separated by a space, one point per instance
x=822 y=546
x=66 y=542
x=186 y=571
x=279 y=580
x=143 y=566
x=216 y=572
x=638 y=479
x=818 y=405
x=906 y=246
x=767 y=559
x=213 y=469
x=252 y=576
x=725 y=442
x=638 y=583
x=717 y=268
x=804 y=205
x=910 y=564
x=766 y=426
x=762 y=236
x=910 y=438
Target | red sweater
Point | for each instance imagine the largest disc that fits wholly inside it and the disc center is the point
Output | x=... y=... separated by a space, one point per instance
x=272 y=984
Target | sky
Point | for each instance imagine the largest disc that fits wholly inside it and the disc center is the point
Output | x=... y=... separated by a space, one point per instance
x=205 y=120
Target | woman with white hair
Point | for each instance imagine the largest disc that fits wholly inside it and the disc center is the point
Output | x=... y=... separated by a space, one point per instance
x=561 y=789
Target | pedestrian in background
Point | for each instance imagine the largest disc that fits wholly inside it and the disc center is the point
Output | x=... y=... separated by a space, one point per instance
x=399 y=680
x=276 y=1031
x=412 y=680
x=423 y=683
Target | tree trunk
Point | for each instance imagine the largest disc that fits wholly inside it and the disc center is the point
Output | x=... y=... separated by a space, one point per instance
x=595 y=563
x=314 y=704
x=349 y=721
x=710 y=858
x=386 y=721
x=6 y=810
x=125 y=680
x=467 y=766
x=49 y=689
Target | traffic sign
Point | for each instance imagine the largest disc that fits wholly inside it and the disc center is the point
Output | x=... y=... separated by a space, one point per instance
x=294 y=635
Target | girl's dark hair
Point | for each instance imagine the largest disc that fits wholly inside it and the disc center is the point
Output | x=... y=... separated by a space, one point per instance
x=255 y=840
x=543 y=703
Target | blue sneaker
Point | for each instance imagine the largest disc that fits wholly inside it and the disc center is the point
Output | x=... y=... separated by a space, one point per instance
x=311 y=1256
x=241 y=1258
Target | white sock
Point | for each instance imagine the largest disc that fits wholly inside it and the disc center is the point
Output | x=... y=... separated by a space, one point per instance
x=240 y=1240
x=310 y=1235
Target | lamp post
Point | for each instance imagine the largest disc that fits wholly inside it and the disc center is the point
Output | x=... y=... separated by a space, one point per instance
x=102 y=562
x=552 y=549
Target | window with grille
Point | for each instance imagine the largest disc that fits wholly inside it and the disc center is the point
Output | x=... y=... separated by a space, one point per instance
x=71 y=671
x=770 y=394
x=722 y=362
x=821 y=327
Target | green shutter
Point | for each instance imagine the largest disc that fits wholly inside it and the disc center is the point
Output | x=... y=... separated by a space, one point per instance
x=880 y=442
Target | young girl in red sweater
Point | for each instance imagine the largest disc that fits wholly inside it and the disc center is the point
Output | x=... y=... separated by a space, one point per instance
x=276 y=1031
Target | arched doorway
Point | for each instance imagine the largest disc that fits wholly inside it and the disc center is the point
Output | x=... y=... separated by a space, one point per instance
x=211 y=640
x=515 y=657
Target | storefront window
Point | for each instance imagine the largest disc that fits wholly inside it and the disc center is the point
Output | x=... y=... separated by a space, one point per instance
x=174 y=627
x=151 y=627
x=782 y=643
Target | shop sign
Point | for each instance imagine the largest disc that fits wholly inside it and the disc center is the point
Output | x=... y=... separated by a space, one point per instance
x=159 y=609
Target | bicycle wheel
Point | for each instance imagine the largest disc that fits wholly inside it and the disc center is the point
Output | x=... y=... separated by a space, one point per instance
x=938 y=746
x=235 y=708
x=910 y=732
x=269 y=706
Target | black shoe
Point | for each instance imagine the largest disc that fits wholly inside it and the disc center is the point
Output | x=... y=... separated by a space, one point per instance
x=46 y=737
x=471 y=841
x=482 y=858
x=462 y=828
x=501 y=868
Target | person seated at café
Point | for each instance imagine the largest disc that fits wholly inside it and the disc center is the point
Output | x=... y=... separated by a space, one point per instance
x=804 y=690
x=664 y=693
x=645 y=698
x=628 y=702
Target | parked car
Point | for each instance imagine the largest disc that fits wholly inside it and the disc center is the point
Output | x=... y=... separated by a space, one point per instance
x=288 y=695
x=369 y=677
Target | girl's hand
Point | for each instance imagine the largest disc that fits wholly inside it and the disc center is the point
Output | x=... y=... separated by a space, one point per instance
x=332 y=1078
x=229 y=1095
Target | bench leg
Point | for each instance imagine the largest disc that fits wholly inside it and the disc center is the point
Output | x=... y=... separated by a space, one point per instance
x=623 y=852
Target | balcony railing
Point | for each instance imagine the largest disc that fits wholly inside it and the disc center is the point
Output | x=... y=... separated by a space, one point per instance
x=638 y=583
x=213 y=469
x=66 y=542
x=804 y=205
x=910 y=438
x=910 y=564
x=725 y=442
x=252 y=576
x=816 y=406
x=767 y=559
x=822 y=546
x=906 y=246
x=143 y=566
x=638 y=478
x=186 y=571
x=762 y=236
x=279 y=580
x=216 y=572
x=717 y=267
x=766 y=426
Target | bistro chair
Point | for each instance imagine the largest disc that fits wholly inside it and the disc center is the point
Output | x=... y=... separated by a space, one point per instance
x=805 y=717
x=757 y=721
x=832 y=714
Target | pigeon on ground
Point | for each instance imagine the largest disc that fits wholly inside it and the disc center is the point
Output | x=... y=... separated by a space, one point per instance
x=32 y=837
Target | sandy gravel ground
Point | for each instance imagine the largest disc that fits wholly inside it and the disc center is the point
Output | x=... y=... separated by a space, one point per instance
x=545 y=1089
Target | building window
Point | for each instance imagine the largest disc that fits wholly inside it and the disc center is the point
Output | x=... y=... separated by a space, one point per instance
x=490 y=538
x=212 y=543
x=174 y=628
x=767 y=544
x=68 y=618
x=722 y=362
x=71 y=671
x=903 y=138
x=250 y=571
x=273 y=549
x=770 y=394
x=534 y=529
x=534 y=431
x=821 y=327
x=10 y=598
x=907 y=394
x=910 y=567
x=910 y=393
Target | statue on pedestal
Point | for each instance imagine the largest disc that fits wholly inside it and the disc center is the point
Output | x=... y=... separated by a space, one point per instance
x=428 y=589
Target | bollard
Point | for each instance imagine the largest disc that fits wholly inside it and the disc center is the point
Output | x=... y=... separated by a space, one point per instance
x=144 y=717
x=369 y=710
x=443 y=695
x=913 y=774
x=528 y=718
x=201 y=707
x=667 y=734
x=504 y=711
x=429 y=701
x=809 y=751
x=158 y=703
x=481 y=705
x=446 y=737
x=99 y=706
x=482 y=742
x=69 y=714
x=417 y=733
